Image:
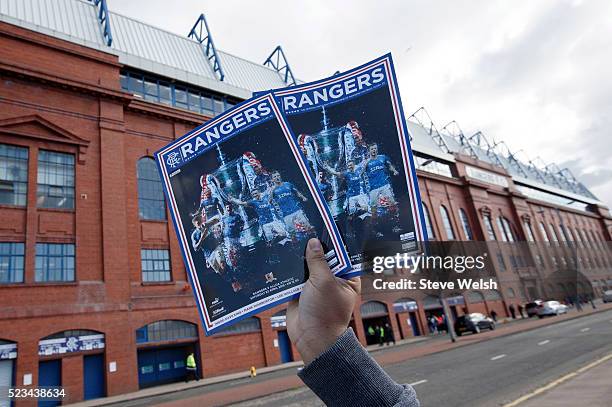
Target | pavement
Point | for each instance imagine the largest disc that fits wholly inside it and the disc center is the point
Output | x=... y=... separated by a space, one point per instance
x=279 y=385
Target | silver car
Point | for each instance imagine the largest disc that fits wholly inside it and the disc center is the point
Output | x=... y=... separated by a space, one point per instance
x=551 y=308
x=607 y=296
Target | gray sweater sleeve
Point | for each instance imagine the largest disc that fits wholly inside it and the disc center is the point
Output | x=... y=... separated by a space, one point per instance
x=346 y=375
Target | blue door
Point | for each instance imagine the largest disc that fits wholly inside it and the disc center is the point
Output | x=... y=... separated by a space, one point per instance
x=93 y=377
x=161 y=365
x=284 y=345
x=414 y=324
x=49 y=375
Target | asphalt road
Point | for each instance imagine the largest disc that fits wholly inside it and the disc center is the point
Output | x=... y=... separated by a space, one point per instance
x=492 y=372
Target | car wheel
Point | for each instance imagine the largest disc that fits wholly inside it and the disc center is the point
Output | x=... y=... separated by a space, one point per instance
x=540 y=316
x=492 y=327
x=459 y=333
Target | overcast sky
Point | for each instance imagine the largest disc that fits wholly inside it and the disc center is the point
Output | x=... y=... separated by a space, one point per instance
x=536 y=74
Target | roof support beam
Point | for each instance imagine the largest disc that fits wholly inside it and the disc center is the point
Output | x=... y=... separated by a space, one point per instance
x=201 y=33
x=103 y=19
x=278 y=61
x=422 y=117
x=453 y=130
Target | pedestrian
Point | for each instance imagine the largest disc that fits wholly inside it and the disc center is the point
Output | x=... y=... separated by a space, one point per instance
x=592 y=303
x=192 y=368
x=512 y=311
x=336 y=367
x=381 y=337
x=389 y=334
x=520 y=310
x=371 y=334
x=494 y=315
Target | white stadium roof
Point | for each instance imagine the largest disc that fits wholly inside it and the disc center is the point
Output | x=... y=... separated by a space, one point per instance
x=154 y=50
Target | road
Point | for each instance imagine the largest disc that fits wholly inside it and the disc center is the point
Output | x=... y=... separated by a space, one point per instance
x=488 y=373
x=493 y=372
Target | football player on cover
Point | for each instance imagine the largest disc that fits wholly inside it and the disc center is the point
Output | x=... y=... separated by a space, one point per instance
x=286 y=196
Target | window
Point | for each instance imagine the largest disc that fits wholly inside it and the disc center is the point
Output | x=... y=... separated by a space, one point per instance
x=155 y=265
x=186 y=97
x=151 y=204
x=501 y=262
x=529 y=231
x=166 y=330
x=489 y=227
x=466 y=224
x=245 y=326
x=13 y=175
x=563 y=234
x=448 y=227
x=433 y=166
x=543 y=232
x=430 y=232
x=11 y=262
x=54 y=262
x=505 y=229
x=511 y=293
x=55 y=180
x=554 y=233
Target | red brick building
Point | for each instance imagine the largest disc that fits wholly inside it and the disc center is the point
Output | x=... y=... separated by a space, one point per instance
x=93 y=293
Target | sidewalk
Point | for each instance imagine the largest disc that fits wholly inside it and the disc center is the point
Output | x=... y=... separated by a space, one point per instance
x=588 y=386
x=402 y=351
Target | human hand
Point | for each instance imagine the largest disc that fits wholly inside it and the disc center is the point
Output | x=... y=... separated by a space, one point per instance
x=323 y=311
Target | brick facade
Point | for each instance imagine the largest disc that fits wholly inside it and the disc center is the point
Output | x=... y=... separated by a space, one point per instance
x=60 y=96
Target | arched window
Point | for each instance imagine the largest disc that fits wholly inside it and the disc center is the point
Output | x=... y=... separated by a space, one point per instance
x=510 y=292
x=404 y=305
x=151 y=204
x=166 y=330
x=245 y=326
x=373 y=309
x=492 y=295
x=489 y=227
x=430 y=233
x=465 y=223
x=529 y=231
x=474 y=297
x=544 y=232
x=553 y=234
x=505 y=229
x=448 y=227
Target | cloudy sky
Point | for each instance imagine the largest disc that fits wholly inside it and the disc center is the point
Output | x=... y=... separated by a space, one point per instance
x=536 y=74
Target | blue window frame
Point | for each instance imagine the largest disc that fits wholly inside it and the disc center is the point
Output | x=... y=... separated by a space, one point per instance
x=186 y=97
x=465 y=223
x=54 y=262
x=446 y=221
x=13 y=175
x=430 y=233
x=166 y=330
x=11 y=262
x=155 y=265
x=151 y=203
x=55 y=180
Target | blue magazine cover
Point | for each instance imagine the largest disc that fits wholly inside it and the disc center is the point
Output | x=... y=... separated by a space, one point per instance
x=244 y=208
x=354 y=141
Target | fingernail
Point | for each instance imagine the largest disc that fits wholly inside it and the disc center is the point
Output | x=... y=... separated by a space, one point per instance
x=314 y=245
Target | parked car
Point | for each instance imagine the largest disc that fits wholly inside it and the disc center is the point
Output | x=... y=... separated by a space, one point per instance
x=551 y=308
x=532 y=308
x=607 y=296
x=473 y=323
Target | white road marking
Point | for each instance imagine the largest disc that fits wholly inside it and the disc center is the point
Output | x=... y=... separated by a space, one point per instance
x=585 y=329
x=503 y=355
x=543 y=342
x=419 y=382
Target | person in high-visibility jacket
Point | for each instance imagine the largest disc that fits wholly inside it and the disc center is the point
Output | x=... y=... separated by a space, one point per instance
x=192 y=368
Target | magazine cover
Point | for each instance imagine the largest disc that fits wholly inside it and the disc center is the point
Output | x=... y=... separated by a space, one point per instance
x=244 y=209
x=354 y=141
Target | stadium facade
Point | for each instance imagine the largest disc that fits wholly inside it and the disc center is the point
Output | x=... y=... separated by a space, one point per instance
x=93 y=293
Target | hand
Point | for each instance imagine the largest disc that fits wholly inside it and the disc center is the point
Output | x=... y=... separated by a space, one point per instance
x=323 y=311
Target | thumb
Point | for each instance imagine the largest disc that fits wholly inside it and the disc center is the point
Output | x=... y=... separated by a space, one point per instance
x=315 y=259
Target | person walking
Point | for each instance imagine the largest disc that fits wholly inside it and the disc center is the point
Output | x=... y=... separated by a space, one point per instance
x=389 y=334
x=494 y=315
x=512 y=311
x=520 y=311
x=381 y=333
x=192 y=368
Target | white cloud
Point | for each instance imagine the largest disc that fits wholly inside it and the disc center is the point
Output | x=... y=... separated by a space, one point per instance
x=534 y=74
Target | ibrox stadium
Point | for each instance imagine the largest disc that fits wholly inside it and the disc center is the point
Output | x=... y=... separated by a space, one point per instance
x=94 y=296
